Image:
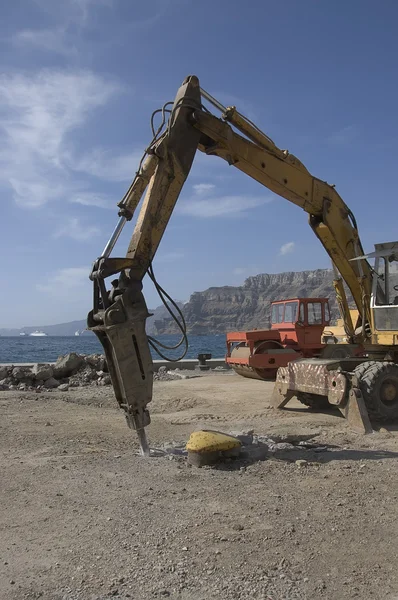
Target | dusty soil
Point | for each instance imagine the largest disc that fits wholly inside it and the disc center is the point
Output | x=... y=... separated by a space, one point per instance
x=83 y=517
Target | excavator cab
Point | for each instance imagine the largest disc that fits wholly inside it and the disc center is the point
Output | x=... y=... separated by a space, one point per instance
x=384 y=300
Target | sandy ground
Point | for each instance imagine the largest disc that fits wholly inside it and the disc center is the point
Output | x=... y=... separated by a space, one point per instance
x=83 y=517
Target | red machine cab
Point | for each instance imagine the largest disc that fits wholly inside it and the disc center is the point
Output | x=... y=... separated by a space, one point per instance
x=296 y=331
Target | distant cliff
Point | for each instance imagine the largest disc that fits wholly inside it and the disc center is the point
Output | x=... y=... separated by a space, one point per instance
x=222 y=309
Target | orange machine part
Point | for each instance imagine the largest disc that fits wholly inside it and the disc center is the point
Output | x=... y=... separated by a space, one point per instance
x=259 y=353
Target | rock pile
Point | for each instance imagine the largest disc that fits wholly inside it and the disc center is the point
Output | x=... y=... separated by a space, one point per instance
x=163 y=374
x=71 y=370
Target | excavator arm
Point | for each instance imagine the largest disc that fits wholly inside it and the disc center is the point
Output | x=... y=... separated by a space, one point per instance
x=329 y=217
x=119 y=314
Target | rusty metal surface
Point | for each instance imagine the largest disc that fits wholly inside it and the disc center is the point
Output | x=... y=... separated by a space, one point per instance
x=281 y=395
x=260 y=362
x=313 y=376
x=355 y=412
x=322 y=377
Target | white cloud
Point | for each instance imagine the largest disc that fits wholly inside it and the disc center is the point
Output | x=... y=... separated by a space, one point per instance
x=64 y=280
x=202 y=189
x=287 y=248
x=92 y=199
x=107 y=165
x=38 y=113
x=221 y=206
x=75 y=230
x=52 y=40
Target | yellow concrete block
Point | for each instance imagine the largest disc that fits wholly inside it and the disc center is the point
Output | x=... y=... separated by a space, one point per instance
x=211 y=441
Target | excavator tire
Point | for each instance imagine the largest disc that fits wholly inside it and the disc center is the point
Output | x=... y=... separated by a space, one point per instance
x=361 y=369
x=313 y=401
x=378 y=382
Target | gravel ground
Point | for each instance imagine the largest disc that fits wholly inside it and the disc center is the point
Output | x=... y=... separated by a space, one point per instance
x=84 y=518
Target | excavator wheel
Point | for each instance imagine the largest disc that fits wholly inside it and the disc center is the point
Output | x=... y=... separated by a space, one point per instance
x=243 y=351
x=313 y=401
x=378 y=382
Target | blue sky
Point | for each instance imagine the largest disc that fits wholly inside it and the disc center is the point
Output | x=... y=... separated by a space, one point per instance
x=79 y=80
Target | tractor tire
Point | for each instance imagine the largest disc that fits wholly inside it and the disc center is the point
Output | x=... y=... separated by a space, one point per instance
x=313 y=401
x=337 y=351
x=378 y=382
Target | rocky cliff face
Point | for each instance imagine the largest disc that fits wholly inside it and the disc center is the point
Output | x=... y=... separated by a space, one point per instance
x=222 y=309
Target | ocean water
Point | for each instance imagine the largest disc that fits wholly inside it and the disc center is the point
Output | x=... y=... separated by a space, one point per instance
x=47 y=349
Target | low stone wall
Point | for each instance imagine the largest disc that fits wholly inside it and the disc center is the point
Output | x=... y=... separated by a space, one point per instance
x=74 y=370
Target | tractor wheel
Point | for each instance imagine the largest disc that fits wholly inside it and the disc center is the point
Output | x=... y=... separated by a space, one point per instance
x=378 y=382
x=313 y=401
x=243 y=351
x=336 y=351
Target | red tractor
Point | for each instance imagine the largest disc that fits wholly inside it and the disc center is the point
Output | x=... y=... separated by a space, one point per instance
x=296 y=332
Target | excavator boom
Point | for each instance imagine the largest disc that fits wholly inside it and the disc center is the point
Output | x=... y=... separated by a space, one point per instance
x=118 y=316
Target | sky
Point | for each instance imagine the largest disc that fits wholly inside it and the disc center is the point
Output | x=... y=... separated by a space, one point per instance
x=79 y=80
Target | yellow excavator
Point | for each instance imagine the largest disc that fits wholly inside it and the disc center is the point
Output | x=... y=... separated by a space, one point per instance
x=362 y=386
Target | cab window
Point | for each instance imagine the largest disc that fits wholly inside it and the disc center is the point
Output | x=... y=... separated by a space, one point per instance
x=290 y=312
x=314 y=313
x=277 y=313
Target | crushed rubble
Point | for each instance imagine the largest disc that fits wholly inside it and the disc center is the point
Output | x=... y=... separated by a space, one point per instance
x=70 y=371
x=254 y=448
x=163 y=374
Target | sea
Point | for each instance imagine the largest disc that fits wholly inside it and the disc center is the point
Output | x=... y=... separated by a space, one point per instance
x=47 y=349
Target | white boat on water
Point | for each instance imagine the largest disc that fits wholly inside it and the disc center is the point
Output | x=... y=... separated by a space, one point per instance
x=77 y=332
x=38 y=334
x=22 y=333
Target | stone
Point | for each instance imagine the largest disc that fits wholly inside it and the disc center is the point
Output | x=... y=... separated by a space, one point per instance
x=3 y=388
x=42 y=372
x=107 y=380
x=162 y=369
x=64 y=387
x=246 y=437
x=97 y=361
x=20 y=373
x=301 y=463
x=51 y=383
x=67 y=365
x=3 y=372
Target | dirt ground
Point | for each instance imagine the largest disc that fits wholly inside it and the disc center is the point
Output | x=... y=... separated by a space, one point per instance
x=83 y=517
